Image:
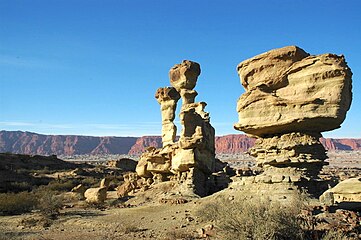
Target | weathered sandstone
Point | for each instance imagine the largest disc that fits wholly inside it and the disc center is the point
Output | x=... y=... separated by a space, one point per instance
x=346 y=193
x=291 y=97
x=99 y=194
x=191 y=159
x=289 y=91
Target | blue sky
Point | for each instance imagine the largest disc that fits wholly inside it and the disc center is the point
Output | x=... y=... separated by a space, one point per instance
x=92 y=67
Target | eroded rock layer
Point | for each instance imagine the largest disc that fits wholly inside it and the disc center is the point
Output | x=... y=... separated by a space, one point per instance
x=291 y=97
x=191 y=159
x=289 y=91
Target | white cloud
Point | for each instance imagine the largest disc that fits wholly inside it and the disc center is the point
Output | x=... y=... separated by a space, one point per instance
x=91 y=129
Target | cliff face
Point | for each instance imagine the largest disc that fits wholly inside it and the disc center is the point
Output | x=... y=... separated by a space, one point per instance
x=32 y=143
x=236 y=143
x=341 y=143
x=143 y=142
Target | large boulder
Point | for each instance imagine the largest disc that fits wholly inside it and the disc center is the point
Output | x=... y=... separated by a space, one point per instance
x=289 y=91
x=347 y=194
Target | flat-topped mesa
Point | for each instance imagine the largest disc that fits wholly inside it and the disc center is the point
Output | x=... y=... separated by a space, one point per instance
x=168 y=97
x=291 y=97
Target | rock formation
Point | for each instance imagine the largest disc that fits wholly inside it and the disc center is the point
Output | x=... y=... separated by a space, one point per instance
x=126 y=164
x=291 y=97
x=190 y=160
x=99 y=194
x=347 y=194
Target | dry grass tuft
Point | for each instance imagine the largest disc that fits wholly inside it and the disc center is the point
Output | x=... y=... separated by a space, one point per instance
x=257 y=218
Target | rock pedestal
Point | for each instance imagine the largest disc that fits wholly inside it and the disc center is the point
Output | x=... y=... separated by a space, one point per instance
x=191 y=159
x=168 y=97
x=291 y=97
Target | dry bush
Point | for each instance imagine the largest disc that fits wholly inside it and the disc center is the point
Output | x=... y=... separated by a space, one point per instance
x=334 y=235
x=17 y=203
x=91 y=182
x=61 y=186
x=257 y=218
x=179 y=234
x=48 y=202
x=34 y=221
x=127 y=228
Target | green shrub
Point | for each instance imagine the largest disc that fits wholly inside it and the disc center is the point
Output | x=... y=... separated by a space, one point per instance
x=17 y=203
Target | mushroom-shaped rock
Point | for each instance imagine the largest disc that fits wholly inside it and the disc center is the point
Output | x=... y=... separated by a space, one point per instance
x=289 y=91
x=184 y=75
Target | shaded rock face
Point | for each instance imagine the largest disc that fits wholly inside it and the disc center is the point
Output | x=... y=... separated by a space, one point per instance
x=291 y=97
x=191 y=159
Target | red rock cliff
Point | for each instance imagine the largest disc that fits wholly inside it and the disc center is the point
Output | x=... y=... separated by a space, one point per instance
x=32 y=143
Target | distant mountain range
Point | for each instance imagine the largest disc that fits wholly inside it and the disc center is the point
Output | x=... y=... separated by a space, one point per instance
x=33 y=143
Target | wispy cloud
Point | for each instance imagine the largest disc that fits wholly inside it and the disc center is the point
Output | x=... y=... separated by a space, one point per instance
x=16 y=124
x=96 y=129
x=26 y=62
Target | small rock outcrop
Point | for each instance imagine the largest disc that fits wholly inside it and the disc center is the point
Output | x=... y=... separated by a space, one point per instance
x=291 y=97
x=191 y=159
x=99 y=194
x=125 y=164
x=346 y=193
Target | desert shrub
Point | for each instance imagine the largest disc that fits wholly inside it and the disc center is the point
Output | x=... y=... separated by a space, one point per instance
x=48 y=202
x=335 y=235
x=91 y=182
x=62 y=185
x=34 y=221
x=253 y=219
x=179 y=234
x=20 y=186
x=17 y=203
x=129 y=228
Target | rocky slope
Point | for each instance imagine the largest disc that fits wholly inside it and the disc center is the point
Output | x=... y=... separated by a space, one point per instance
x=32 y=143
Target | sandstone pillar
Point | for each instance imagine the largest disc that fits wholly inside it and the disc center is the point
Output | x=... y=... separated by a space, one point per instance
x=168 y=97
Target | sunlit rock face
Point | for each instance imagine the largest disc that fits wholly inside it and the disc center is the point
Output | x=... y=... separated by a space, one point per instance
x=191 y=159
x=168 y=97
x=291 y=97
x=287 y=90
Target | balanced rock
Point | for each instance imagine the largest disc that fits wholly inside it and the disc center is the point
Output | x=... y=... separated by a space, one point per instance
x=289 y=91
x=291 y=97
x=184 y=75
